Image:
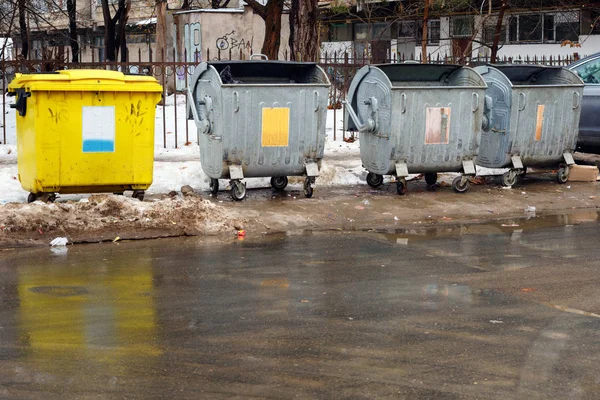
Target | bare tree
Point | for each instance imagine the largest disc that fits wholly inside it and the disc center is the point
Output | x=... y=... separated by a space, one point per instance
x=115 y=29
x=72 y=11
x=304 y=31
x=271 y=13
x=24 y=32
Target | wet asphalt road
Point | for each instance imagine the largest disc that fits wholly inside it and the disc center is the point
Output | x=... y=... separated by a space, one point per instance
x=474 y=311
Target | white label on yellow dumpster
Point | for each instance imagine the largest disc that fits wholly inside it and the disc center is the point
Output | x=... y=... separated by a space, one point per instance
x=98 y=129
x=275 y=127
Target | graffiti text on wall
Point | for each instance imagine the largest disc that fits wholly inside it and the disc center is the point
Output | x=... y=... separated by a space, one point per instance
x=229 y=41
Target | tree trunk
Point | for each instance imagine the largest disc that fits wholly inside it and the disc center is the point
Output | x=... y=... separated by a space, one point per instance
x=272 y=18
x=304 y=43
x=121 y=40
x=424 y=38
x=23 y=29
x=497 y=32
x=161 y=30
x=109 y=32
x=71 y=10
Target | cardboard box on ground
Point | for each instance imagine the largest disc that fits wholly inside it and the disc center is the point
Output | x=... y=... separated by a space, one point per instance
x=583 y=173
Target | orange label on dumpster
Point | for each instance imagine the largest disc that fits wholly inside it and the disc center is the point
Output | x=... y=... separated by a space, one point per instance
x=539 y=122
x=275 y=127
x=437 y=125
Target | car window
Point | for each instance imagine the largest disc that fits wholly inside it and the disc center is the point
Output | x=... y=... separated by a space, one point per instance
x=589 y=72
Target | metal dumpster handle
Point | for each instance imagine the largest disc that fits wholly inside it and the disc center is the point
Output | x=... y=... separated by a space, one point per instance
x=316 y=101
x=371 y=124
x=522 y=101
x=576 y=100
x=260 y=57
x=236 y=102
x=475 y=102
x=403 y=103
x=202 y=124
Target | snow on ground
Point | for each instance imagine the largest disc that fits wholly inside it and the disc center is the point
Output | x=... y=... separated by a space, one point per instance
x=177 y=164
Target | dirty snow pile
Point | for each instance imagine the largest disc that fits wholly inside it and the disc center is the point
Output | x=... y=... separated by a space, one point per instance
x=111 y=214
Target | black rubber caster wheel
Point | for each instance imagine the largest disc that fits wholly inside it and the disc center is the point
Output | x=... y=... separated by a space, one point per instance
x=401 y=187
x=214 y=185
x=32 y=197
x=431 y=178
x=279 y=182
x=138 y=194
x=374 y=180
x=562 y=176
x=308 y=189
x=460 y=187
x=509 y=178
x=238 y=191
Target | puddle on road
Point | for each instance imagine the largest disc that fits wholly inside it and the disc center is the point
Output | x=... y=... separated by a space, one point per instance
x=514 y=227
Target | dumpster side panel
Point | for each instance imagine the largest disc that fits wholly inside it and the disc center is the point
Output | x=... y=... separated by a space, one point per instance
x=273 y=130
x=109 y=142
x=211 y=143
x=546 y=122
x=438 y=129
x=29 y=153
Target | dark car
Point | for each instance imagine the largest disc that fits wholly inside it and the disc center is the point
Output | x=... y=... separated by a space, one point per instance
x=588 y=70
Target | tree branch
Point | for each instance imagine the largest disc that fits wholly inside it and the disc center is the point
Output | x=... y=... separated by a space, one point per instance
x=258 y=8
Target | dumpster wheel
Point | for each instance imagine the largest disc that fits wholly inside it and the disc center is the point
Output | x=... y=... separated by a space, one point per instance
x=374 y=180
x=138 y=194
x=458 y=186
x=308 y=189
x=431 y=178
x=238 y=190
x=562 y=175
x=279 y=182
x=32 y=197
x=214 y=185
x=401 y=186
x=509 y=178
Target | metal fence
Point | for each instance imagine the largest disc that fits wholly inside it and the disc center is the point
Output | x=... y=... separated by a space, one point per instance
x=174 y=77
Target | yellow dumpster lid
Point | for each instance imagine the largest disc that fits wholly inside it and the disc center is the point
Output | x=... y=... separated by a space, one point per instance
x=85 y=80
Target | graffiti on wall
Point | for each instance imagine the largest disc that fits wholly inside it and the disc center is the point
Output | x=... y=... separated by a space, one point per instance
x=230 y=41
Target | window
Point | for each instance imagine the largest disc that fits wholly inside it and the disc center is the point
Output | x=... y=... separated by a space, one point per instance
x=567 y=26
x=544 y=28
x=341 y=32
x=361 y=32
x=589 y=72
x=489 y=30
x=590 y=22
x=433 y=32
x=461 y=26
x=530 y=28
x=381 y=32
x=414 y=30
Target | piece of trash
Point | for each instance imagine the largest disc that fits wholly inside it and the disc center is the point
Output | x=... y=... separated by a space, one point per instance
x=395 y=218
x=241 y=233
x=530 y=209
x=403 y=241
x=351 y=319
x=523 y=192
x=303 y=301
x=84 y=201
x=59 y=241
x=40 y=231
x=359 y=207
x=115 y=240
x=528 y=289
x=174 y=223
x=509 y=225
x=592 y=197
x=507 y=187
x=446 y=218
x=568 y=187
x=495 y=321
x=59 y=251
x=366 y=202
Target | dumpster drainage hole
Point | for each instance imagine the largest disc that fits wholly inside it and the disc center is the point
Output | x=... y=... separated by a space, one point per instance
x=60 y=291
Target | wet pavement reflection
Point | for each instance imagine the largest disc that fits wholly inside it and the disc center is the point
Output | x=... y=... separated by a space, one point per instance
x=472 y=311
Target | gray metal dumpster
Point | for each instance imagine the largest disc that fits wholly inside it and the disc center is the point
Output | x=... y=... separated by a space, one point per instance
x=534 y=118
x=417 y=118
x=259 y=119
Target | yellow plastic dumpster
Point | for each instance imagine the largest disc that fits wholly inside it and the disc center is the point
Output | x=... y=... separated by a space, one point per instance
x=85 y=131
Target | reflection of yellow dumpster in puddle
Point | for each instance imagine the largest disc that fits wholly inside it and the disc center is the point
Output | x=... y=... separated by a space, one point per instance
x=72 y=313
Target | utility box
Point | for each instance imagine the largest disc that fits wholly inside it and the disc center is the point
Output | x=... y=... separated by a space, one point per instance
x=85 y=131
x=259 y=119
x=417 y=118
x=534 y=118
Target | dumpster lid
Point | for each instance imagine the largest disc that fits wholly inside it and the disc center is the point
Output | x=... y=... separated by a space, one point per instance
x=413 y=72
x=526 y=74
x=243 y=72
x=85 y=80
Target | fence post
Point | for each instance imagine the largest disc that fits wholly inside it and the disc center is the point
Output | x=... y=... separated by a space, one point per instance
x=174 y=95
x=164 y=112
